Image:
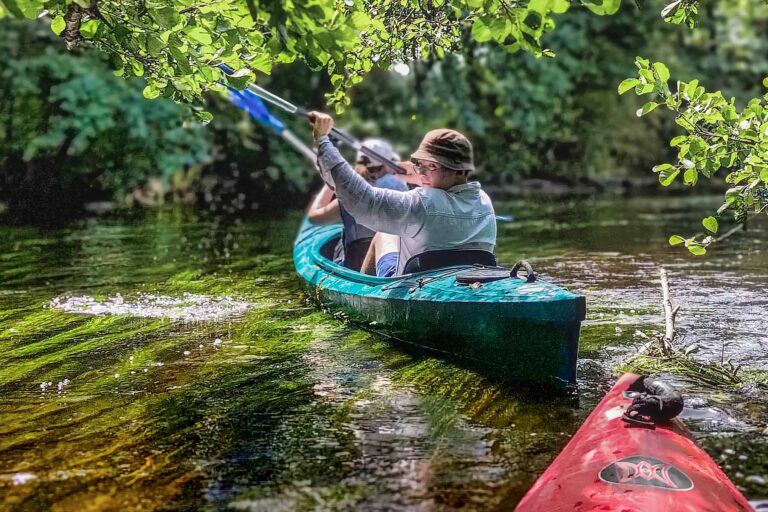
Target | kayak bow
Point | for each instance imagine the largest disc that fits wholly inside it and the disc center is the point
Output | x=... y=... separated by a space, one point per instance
x=612 y=465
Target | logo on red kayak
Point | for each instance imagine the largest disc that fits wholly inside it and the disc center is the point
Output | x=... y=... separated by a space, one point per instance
x=646 y=471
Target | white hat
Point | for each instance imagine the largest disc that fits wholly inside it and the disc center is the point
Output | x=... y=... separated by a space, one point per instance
x=380 y=146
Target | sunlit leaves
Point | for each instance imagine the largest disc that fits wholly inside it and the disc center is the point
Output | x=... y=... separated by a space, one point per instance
x=710 y=223
x=628 y=84
x=667 y=174
x=481 y=32
x=676 y=240
x=718 y=137
x=150 y=92
x=21 y=8
x=648 y=107
x=661 y=71
x=199 y=35
x=681 y=12
x=58 y=25
x=169 y=43
x=88 y=29
x=603 y=7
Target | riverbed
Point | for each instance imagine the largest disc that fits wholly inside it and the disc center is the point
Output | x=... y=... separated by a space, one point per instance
x=170 y=360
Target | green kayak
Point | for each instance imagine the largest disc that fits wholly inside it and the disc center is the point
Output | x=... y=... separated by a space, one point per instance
x=504 y=326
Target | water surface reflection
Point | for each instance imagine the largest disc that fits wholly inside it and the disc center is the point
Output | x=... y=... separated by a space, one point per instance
x=272 y=405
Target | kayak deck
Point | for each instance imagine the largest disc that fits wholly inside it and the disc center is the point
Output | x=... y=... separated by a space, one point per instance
x=614 y=467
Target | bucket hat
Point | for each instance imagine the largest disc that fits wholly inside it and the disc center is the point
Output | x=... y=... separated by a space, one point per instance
x=448 y=148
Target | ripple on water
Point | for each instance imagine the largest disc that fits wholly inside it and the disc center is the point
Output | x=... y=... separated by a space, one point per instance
x=187 y=308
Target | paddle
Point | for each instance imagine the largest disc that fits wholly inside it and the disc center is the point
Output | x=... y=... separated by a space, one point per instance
x=252 y=104
x=298 y=111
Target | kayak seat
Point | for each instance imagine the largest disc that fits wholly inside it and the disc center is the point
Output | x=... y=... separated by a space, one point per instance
x=354 y=255
x=431 y=260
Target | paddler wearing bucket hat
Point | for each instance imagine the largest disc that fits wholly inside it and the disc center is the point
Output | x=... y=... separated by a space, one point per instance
x=448 y=212
x=326 y=208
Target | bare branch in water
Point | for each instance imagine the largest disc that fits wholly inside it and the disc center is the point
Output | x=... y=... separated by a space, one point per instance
x=669 y=313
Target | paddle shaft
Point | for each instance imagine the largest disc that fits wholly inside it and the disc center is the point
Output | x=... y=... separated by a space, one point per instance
x=340 y=135
x=289 y=137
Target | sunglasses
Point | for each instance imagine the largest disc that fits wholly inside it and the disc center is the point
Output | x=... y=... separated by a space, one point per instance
x=423 y=166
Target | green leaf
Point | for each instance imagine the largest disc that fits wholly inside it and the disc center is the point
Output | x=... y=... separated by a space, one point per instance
x=691 y=176
x=137 y=68
x=58 y=25
x=678 y=140
x=481 y=32
x=89 y=28
x=663 y=168
x=628 y=84
x=150 y=92
x=676 y=240
x=261 y=63
x=200 y=35
x=765 y=82
x=661 y=70
x=710 y=223
x=14 y=9
x=166 y=17
x=648 y=107
x=560 y=6
x=697 y=250
x=501 y=27
x=603 y=7
x=154 y=44
x=667 y=177
x=181 y=59
x=204 y=117
x=359 y=21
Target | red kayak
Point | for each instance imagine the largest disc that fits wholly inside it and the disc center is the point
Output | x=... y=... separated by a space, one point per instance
x=615 y=465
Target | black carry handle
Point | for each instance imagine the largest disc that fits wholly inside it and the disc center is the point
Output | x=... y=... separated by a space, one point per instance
x=523 y=264
x=653 y=402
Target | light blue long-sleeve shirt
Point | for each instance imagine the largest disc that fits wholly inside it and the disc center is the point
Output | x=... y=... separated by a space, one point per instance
x=426 y=219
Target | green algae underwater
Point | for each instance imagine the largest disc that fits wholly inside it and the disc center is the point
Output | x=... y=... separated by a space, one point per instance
x=170 y=360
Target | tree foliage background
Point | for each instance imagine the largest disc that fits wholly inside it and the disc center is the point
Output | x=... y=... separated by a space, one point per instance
x=71 y=131
x=483 y=67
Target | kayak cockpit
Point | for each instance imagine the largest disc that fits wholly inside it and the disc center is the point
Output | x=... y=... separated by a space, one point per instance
x=426 y=261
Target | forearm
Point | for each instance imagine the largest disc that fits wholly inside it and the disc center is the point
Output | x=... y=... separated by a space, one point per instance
x=324 y=209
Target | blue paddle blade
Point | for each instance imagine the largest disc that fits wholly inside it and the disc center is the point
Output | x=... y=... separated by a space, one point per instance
x=252 y=104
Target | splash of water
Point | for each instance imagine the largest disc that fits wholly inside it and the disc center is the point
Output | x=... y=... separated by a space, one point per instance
x=187 y=308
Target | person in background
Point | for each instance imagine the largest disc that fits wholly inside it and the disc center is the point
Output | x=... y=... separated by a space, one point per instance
x=326 y=209
x=448 y=212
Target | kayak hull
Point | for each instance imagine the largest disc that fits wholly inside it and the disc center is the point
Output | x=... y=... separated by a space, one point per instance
x=508 y=329
x=613 y=467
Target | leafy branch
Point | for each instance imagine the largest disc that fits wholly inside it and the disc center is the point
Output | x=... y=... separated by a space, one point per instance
x=173 y=44
x=719 y=137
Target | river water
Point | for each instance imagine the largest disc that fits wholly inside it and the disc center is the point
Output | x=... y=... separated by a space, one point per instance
x=166 y=360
